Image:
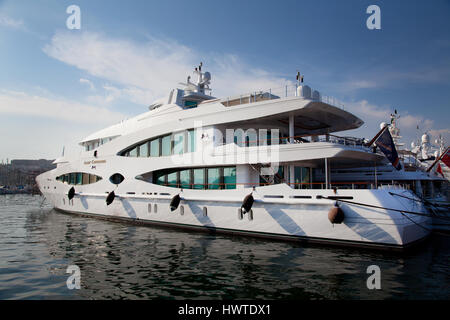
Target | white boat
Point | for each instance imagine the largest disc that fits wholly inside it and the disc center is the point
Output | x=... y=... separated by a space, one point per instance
x=243 y=165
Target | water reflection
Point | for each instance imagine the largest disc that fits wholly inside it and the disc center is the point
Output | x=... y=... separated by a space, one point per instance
x=118 y=260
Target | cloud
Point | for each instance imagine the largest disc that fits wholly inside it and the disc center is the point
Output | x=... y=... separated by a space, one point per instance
x=21 y=103
x=148 y=71
x=88 y=82
x=9 y=22
x=373 y=115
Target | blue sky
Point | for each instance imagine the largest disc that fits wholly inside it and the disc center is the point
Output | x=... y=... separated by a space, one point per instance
x=59 y=85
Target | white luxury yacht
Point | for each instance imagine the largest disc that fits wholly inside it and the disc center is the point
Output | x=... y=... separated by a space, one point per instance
x=256 y=164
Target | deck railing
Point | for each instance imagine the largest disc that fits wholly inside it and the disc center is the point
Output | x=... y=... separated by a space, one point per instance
x=276 y=93
x=347 y=141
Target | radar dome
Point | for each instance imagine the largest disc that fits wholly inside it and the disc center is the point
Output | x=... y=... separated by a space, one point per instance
x=425 y=138
x=436 y=154
x=413 y=145
x=382 y=125
x=316 y=95
x=207 y=76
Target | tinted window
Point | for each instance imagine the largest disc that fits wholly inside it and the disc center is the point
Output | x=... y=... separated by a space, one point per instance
x=143 y=150
x=213 y=178
x=154 y=148
x=229 y=178
x=116 y=178
x=178 y=143
x=166 y=146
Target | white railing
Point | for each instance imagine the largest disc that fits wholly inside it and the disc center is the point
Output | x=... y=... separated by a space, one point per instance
x=276 y=93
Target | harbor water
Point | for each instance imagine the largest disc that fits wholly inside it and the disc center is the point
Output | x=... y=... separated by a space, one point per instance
x=124 y=261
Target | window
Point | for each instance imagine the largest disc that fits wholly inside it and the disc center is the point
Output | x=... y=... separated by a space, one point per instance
x=160 y=178
x=229 y=178
x=154 y=148
x=172 y=180
x=143 y=150
x=166 y=147
x=78 y=178
x=185 y=179
x=178 y=143
x=195 y=178
x=85 y=179
x=302 y=178
x=116 y=178
x=199 y=178
x=190 y=104
x=191 y=141
x=213 y=178
x=133 y=152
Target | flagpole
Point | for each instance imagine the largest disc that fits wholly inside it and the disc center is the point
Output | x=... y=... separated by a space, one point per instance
x=376 y=136
x=437 y=160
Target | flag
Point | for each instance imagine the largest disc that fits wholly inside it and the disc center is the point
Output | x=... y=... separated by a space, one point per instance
x=439 y=170
x=387 y=146
x=446 y=158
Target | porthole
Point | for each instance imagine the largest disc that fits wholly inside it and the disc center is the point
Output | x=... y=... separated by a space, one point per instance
x=116 y=178
x=149 y=209
x=155 y=208
x=250 y=215
x=181 y=210
x=205 y=211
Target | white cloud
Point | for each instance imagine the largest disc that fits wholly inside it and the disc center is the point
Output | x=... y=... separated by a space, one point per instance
x=148 y=71
x=21 y=103
x=373 y=115
x=9 y=22
x=47 y=124
x=88 y=82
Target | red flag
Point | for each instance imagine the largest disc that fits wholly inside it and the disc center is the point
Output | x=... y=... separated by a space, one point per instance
x=446 y=158
x=439 y=170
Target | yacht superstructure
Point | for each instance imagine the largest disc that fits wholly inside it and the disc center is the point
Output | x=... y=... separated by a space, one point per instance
x=248 y=164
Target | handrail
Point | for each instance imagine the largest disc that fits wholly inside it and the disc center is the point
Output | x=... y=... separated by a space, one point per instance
x=348 y=141
x=289 y=90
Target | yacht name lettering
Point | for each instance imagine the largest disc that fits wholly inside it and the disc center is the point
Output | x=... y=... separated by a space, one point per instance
x=94 y=161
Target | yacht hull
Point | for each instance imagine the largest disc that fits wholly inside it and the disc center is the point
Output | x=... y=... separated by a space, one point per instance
x=300 y=215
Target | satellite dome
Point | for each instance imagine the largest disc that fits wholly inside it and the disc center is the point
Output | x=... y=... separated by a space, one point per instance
x=436 y=154
x=425 y=138
x=207 y=76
